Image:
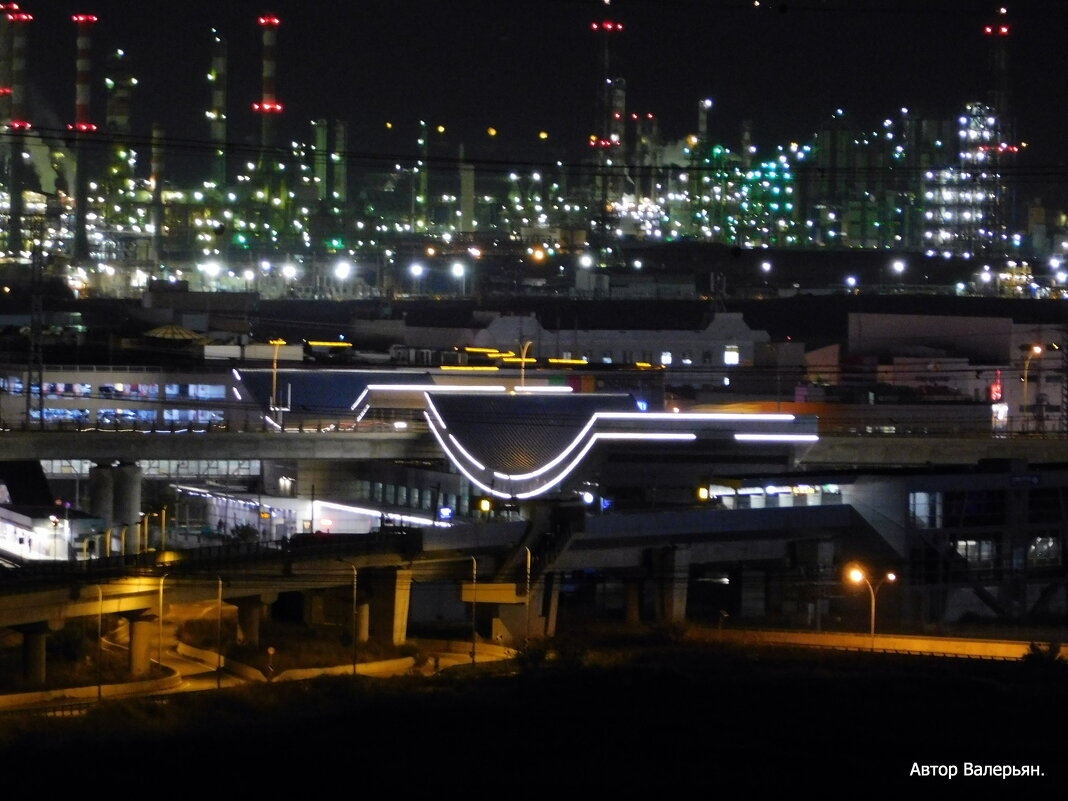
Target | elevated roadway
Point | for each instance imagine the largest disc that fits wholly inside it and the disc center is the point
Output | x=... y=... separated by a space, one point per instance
x=830 y=452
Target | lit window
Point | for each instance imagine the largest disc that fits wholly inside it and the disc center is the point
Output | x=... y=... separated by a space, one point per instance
x=731 y=355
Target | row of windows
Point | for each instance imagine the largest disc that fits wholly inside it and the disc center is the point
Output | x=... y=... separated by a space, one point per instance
x=731 y=356
x=16 y=386
x=965 y=508
x=131 y=416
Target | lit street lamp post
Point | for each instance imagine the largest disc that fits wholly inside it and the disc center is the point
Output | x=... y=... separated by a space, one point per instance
x=99 y=641
x=526 y=632
x=218 y=638
x=856 y=575
x=523 y=362
x=474 y=605
x=159 y=645
x=1032 y=351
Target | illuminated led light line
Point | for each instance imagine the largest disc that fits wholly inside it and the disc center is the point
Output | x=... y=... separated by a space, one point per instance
x=267 y=417
x=459 y=465
x=467 y=455
x=359 y=398
x=777 y=437
x=695 y=416
x=545 y=468
x=434 y=409
x=363 y=411
x=437 y=387
x=237 y=375
x=341 y=507
x=536 y=389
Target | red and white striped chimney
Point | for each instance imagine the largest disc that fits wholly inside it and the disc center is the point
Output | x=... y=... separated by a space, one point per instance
x=18 y=21
x=268 y=104
x=84 y=65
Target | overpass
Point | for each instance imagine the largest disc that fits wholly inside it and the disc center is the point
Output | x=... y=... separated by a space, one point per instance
x=376 y=442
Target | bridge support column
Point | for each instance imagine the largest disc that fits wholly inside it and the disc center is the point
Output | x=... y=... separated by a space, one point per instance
x=363 y=622
x=249 y=615
x=34 y=660
x=102 y=492
x=672 y=575
x=391 y=593
x=141 y=630
x=128 y=503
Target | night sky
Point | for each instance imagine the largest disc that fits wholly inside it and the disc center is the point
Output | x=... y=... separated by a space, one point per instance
x=530 y=65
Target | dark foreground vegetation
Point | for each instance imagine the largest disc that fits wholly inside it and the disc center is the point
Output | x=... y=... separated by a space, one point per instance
x=630 y=717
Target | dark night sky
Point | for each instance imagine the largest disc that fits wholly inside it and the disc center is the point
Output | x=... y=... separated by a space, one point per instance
x=527 y=65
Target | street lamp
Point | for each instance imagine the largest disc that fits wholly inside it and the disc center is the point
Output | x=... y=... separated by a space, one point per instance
x=159 y=644
x=417 y=273
x=856 y=575
x=99 y=641
x=218 y=638
x=523 y=362
x=1032 y=351
x=460 y=272
x=474 y=605
x=354 y=571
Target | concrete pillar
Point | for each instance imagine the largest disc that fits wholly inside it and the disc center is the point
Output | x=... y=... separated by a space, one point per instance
x=128 y=502
x=633 y=601
x=363 y=622
x=141 y=631
x=391 y=591
x=34 y=640
x=102 y=492
x=672 y=575
x=249 y=615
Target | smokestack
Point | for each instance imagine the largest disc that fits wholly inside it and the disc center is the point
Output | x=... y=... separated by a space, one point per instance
x=120 y=86
x=17 y=126
x=81 y=127
x=217 y=113
x=341 y=146
x=157 y=194
x=5 y=61
x=268 y=105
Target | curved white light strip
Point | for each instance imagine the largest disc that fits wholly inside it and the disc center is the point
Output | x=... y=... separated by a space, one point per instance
x=434 y=409
x=559 y=457
x=575 y=462
x=459 y=466
x=777 y=437
x=467 y=455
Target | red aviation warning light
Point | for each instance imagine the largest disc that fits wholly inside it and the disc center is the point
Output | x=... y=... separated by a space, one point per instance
x=607 y=25
x=20 y=17
x=268 y=107
x=996 y=30
x=270 y=21
x=995 y=388
x=84 y=18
